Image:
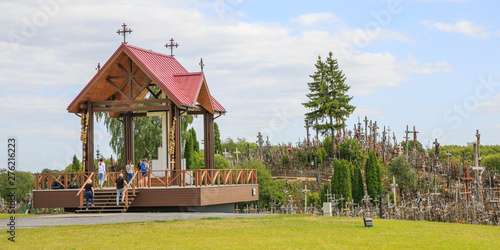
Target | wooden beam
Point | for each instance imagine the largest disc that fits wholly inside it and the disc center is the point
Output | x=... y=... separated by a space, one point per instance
x=129 y=102
x=116 y=87
x=127 y=109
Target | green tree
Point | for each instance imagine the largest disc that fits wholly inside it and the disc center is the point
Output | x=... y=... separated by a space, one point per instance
x=351 y=150
x=22 y=185
x=194 y=140
x=217 y=141
x=328 y=99
x=401 y=169
x=328 y=146
x=341 y=181
x=268 y=188
x=188 y=152
x=221 y=162
x=357 y=184
x=284 y=160
x=75 y=166
x=372 y=172
x=491 y=161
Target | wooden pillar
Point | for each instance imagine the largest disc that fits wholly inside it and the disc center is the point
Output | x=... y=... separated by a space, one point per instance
x=90 y=139
x=177 y=154
x=208 y=128
x=128 y=138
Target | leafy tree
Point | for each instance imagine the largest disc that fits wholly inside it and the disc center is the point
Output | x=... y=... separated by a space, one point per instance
x=418 y=145
x=221 y=162
x=328 y=99
x=75 y=166
x=313 y=199
x=373 y=177
x=23 y=184
x=321 y=155
x=491 y=161
x=351 y=150
x=268 y=188
x=328 y=146
x=401 y=169
x=284 y=160
x=217 y=141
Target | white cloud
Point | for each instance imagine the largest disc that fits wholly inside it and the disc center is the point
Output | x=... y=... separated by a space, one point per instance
x=412 y=65
x=489 y=107
x=462 y=27
x=313 y=19
x=258 y=71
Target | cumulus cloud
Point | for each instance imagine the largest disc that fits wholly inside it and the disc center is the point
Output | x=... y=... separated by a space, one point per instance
x=412 y=65
x=461 y=27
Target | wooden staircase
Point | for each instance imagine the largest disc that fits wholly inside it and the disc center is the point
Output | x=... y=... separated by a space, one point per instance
x=105 y=202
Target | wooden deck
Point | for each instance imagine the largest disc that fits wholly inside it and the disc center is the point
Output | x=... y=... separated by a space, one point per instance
x=195 y=188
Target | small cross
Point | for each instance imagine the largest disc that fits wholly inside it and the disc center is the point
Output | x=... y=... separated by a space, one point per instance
x=98 y=67
x=201 y=64
x=171 y=45
x=124 y=31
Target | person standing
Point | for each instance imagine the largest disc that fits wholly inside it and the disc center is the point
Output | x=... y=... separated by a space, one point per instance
x=89 y=193
x=144 y=171
x=130 y=171
x=102 y=172
x=120 y=183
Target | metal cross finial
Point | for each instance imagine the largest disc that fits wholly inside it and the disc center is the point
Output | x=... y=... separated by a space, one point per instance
x=98 y=67
x=171 y=45
x=124 y=31
x=201 y=64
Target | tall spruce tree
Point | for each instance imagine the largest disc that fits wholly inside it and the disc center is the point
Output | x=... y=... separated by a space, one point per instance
x=217 y=141
x=328 y=99
x=341 y=181
x=189 y=152
x=373 y=175
x=324 y=192
x=194 y=140
x=357 y=187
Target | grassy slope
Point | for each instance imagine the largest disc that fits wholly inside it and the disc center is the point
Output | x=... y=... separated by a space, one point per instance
x=263 y=232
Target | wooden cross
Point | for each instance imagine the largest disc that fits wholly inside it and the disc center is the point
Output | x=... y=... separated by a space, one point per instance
x=225 y=153
x=124 y=32
x=172 y=45
x=467 y=178
x=237 y=153
x=394 y=185
x=201 y=64
x=305 y=191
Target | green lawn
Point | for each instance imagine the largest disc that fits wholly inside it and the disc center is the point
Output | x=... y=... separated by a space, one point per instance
x=283 y=232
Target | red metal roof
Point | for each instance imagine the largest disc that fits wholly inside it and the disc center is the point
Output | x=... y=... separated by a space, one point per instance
x=182 y=87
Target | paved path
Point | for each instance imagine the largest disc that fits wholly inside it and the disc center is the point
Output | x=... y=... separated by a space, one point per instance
x=89 y=219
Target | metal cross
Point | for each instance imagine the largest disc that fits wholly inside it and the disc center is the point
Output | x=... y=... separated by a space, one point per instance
x=201 y=64
x=172 y=45
x=124 y=32
x=98 y=67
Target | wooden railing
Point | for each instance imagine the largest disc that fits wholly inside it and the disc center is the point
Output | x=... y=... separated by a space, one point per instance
x=155 y=178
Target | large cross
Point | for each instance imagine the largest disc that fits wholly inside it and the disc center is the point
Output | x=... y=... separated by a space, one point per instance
x=467 y=178
x=171 y=45
x=124 y=32
x=237 y=154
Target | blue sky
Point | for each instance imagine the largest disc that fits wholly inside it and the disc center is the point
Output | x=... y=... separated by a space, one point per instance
x=432 y=64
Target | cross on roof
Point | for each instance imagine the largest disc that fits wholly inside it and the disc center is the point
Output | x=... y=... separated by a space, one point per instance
x=201 y=64
x=172 y=45
x=124 y=31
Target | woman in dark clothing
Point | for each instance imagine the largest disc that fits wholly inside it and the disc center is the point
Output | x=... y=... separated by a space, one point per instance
x=89 y=193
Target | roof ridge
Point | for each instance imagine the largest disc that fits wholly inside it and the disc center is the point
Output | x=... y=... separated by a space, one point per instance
x=148 y=51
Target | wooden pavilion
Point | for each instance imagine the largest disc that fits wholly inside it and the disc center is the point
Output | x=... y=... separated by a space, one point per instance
x=119 y=88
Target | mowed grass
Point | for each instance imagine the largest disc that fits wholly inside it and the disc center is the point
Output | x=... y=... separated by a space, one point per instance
x=269 y=232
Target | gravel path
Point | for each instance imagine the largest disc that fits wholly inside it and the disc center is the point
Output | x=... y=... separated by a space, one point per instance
x=89 y=219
